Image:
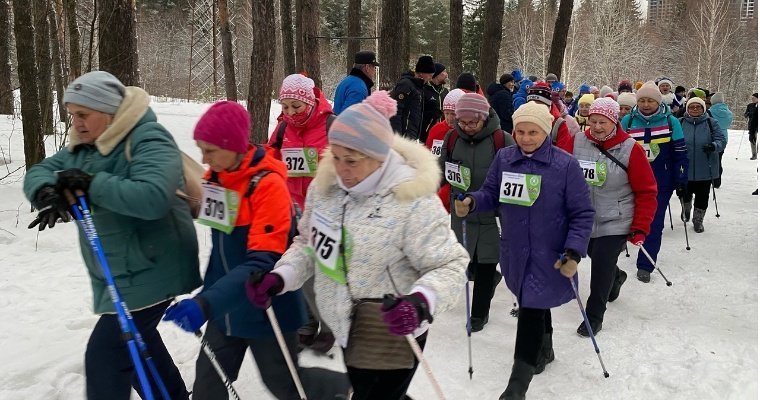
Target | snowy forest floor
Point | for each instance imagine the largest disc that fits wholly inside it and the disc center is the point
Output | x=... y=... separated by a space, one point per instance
x=694 y=340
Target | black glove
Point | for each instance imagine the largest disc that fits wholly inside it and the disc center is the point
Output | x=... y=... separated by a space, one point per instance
x=73 y=179
x=681 y=190
x=709 y=148
x=52 y=206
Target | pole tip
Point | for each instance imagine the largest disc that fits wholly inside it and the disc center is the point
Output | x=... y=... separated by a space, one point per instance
x=670 y=283
x=606 y=374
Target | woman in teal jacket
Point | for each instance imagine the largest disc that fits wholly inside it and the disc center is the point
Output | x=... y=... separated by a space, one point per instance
x=146 y=231
x=725 y=117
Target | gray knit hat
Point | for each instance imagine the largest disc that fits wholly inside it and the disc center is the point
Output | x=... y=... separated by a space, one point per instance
x=717 y=98
x=97 y=90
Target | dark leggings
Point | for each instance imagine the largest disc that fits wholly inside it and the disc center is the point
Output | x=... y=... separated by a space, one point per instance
x=701 y=192
x=603 y=252
x=482 y=292
x=532 y=324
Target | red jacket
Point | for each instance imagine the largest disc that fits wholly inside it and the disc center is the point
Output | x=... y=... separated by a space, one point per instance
x=564 y=138
x=312 y=135
x=438 y=132
x=640 y=177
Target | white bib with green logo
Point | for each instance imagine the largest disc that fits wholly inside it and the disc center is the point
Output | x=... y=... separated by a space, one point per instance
x=324 y=246
x=219 y=207
x=437 y=147
x=458 y=175
x=519 y=189
x=594 y=172
x=652 y=150
x=301 y=161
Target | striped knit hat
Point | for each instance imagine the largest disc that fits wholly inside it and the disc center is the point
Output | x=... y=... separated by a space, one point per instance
x=472 y=105
x=298 y=87
x=450 y=101
x=366 y=127
x=605 y=107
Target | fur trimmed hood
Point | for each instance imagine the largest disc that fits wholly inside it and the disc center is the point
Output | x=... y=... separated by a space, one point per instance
x=425 y=173
x=134 y=106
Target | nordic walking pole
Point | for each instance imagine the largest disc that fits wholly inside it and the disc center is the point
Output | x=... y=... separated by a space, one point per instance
x=740 y=147
x=212 y=358
x=255 y=278
x=588 y=327
x=390 y=301
x=671 y=217
x=715 y=198
x=685 y=231
x=88 y=227
x=667 y=282
x=468 y=324
x=627 y=254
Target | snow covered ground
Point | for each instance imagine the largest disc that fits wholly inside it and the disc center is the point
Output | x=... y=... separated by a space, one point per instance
x=694 y=340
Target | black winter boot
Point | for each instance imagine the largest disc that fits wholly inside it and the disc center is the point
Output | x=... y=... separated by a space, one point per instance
x=547 y=353
x=617 y=284
x=686 y=211
x=596 y=326
x=522 y=373
x=699 y=217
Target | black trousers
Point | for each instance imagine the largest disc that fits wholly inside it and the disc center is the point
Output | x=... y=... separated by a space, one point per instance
x=109 y=370
x=484 y=275
x=604 y=252
x=318 y=383
x=701 y=192
x=373 y=384
x=532 y=324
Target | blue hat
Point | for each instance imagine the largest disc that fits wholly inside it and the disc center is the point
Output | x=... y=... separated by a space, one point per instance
x=97 y=90
x=557 y=86
x=518 y=75
x=585 y=88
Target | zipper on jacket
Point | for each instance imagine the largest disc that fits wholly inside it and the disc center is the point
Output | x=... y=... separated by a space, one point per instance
x=227 y=323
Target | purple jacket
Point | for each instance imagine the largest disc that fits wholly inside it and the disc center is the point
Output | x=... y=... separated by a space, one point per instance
x=533 y=237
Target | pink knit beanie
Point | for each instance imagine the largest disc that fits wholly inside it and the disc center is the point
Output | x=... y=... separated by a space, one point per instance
x=472 y=105
x=450 y=101
x=298 y=87
x=227 y=125
x=606 y=107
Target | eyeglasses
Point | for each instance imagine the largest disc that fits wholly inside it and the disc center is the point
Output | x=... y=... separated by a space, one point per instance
x=465 y=125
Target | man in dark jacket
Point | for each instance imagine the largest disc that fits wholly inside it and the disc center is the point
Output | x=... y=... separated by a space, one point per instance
x=501 y=100
x=408 y=93
x=433 y=93
x=356 y=86
x=751 y=115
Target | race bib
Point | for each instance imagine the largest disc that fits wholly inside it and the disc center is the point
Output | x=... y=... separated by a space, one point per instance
x=437 y=147
x=519 y=189
x=324 y=246
x=219 y=207
x=652 y=150
x=595 y=173
x=458 y=175
x=301 y=161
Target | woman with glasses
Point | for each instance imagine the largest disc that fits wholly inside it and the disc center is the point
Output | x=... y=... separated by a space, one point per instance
x=466 y=155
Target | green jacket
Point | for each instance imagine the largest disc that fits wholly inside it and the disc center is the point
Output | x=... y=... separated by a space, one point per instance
x=146 y=231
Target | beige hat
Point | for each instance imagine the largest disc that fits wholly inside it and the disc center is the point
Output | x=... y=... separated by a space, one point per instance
x=627 y=99
x=649 y=90
x=535 y=113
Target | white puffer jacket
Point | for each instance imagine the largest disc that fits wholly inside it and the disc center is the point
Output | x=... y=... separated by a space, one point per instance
x=399 y=235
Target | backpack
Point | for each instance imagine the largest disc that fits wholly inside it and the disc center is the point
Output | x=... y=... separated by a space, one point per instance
x=555 y=129
x=281 y=131
x=497 y=137
x=192 y=173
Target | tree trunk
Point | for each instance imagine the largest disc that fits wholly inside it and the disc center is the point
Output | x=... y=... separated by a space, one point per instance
x=44 y=68
x=117 y=40
x=405 y=32
x=354 y=20
x=299 y=35
x=57 y=62
x=456 y=22
x=559 y=39
x=286 y=19
x=310 y=41
x=34 y=147
x=489 y=47
x=262 y=62
x=391 y=38
x=230 y=84
x=75 y=57
x=6 y=88
x=90 y=46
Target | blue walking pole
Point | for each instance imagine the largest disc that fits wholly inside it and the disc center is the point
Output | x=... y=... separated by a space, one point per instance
x=127 y=325
x=588 y=327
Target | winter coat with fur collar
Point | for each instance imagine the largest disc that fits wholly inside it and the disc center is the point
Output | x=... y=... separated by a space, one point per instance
x=397 y=239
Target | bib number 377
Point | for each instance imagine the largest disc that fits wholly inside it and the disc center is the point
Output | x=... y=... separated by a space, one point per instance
x=519 y=189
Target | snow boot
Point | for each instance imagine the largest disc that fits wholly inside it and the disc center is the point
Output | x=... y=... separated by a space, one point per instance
x=596 y=326
x=617 y=284
x=686 y=211
x=699 y=217
x=643 y=275
x=308 y=333
x=547 y=354
x=323 y=342
x=477 y=324
x=522 y=374
x=753 y=146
